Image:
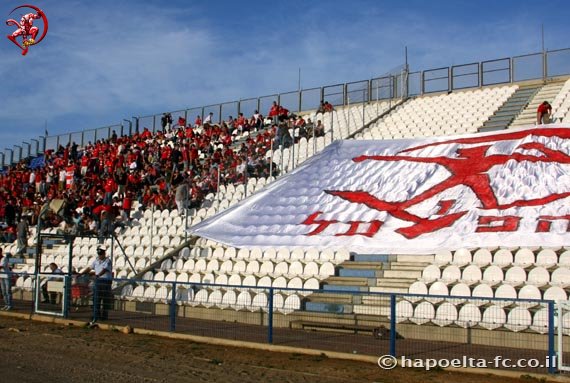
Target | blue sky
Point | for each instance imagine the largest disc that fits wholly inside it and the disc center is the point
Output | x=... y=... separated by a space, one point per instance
x=108 y=60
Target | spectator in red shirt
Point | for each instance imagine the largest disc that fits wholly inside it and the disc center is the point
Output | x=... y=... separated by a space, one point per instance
x=543 y=113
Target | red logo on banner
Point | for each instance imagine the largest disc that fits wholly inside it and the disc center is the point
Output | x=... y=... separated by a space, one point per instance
x=469 y=168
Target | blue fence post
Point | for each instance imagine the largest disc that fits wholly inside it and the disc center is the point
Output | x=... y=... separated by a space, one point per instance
x=95 y=300
x=393 y=325
x=66 y=296
x=270 y=318
x=173 y=308
x=552 y=366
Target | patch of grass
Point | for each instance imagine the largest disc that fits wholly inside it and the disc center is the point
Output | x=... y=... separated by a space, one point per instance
x=530 y=378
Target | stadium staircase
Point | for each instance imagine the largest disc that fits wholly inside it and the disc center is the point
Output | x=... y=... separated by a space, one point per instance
x=377 y=273
x=546 y=93
x=510 y=109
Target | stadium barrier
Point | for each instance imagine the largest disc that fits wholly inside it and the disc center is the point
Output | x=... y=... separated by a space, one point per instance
x=421 y=327
x=397 y=84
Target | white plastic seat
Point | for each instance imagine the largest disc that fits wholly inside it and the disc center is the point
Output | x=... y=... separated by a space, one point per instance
x=149 y=293
x=423 y=313
x=546 y=258
x=243 y=300
x=280 y=282
x=469 y=315
x=460 y=290
x=311 y=268
x=214 y=299
x=417 y=288
x=430 y=274
x=493 y=275
x=524 y=258
x=442 y=258
x=240 y=266
x=564 y=260
x=507 y=292
x=404 y=310
x=445 y=314
x=515 y=276
x=555 y=293
x=234 y=280
x=295 y=283
x=278 y=301
x=471 y=274
x=283 y=253
x=295 y=268
x=529 y=292
x=437 y=288
x=259 y=302
x=249 y=281
x=228 y=299
x=481 y=291
x=291 y=304
x=518 y=319
x=560 y=277
x=538 y=277
x=311 y=284
x=297 y=254
x=327 y=269
x=482 y=257
x=540 y=321
x=221 y=280
x=461 y=257
x=163 y=294
x=493 y=317
x=503 y=258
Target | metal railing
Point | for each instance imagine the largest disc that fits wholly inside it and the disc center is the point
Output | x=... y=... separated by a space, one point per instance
x=542 y=65
x=395 y=324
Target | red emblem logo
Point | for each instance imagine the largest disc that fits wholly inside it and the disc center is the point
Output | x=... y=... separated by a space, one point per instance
x=26 y=28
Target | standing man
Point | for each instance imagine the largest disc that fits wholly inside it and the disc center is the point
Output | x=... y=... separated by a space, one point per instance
x=23 y=231
x=5 y=281
x=50 y=297
x=102 y=269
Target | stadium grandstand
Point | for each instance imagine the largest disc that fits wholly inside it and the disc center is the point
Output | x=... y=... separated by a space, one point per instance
x=222 y=222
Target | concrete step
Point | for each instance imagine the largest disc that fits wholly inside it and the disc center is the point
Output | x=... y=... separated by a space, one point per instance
x=364 y=265
x=409 y=265
x=371 y=310
x=399 y=282
x=379 y=258
x=360 y=273
x=327 y=307
x=415 y=258
x=389 y=289
x=348 y=281
x=402 y=273
x=345 y=288
x=339 y=298
x=376 y=300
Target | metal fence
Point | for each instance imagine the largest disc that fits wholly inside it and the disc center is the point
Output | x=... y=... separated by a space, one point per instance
x=407 y=327
x=542 y=65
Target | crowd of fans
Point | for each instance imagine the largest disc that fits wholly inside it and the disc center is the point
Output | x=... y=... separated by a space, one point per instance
x=98 y=183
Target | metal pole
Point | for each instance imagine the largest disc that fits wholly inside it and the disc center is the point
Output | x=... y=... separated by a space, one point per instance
x=152 y=234
x=270 y=318
x=393 y=333
x=293 y=150
x=271 y=158
x=551 y=351
x=363 y=107
x=186 y=212
x=173 y=308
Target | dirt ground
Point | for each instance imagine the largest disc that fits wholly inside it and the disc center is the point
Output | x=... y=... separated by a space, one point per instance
x=44 y=352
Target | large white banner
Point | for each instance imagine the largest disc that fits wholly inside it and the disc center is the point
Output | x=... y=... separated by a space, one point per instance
x=414 y=196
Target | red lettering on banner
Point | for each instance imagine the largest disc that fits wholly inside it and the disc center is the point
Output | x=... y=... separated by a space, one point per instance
x=506 y=224
x=373 y=228
x=545 y=222
x=323 y=224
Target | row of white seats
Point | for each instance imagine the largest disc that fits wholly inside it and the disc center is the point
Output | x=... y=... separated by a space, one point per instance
x=268 y=267
x=281 y=254
x=516 y=275
x=470 y=315
x=503 y=257
x=223 y=299
x=248 y=281
x=439 y=291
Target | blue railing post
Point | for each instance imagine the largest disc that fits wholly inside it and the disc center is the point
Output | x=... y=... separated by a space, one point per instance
x=393 y=325
x=552 y=366
x=66 y=295
x=173 y=308
x=95 y=300
x=270 y=318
